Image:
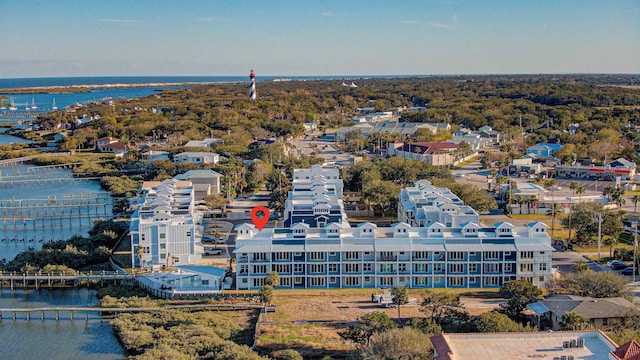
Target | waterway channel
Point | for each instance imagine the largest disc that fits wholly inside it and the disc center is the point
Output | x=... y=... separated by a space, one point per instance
x=51 y=339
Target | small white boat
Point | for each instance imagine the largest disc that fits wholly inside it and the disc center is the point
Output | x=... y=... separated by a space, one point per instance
x=26 y=107
x=33 y=104
x=13 y=106
x=54 y=107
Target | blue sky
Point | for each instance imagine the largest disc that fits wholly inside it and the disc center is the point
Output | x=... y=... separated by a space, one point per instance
x=324 y=37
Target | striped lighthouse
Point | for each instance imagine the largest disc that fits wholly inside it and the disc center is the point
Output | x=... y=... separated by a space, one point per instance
x=252 y=88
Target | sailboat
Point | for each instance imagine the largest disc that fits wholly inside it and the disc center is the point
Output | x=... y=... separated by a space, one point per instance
x=54 y=107
x=33 y=104
x=13 y=106
x=26 y=107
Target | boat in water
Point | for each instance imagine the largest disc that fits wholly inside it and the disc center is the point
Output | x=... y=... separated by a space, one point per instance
x=13 y=106
x=33 y=104
x=54 y=107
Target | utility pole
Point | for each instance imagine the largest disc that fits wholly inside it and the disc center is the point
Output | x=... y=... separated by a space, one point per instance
x=635 y=248
x=599 y=234
x=570 y=211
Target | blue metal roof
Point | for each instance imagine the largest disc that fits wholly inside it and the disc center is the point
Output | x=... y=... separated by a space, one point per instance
x=209 y=270
x=538 y=308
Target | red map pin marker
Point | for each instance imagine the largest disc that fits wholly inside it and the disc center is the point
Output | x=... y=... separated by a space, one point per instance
x=260 y=221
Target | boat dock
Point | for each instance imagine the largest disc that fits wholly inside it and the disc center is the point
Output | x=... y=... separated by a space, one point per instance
x=54 y=312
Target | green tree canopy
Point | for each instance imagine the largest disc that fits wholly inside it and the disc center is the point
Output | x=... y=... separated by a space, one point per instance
x=519 y=293
x=368 y=325
x=598 y=284
x=494 y=321
x=404 y=343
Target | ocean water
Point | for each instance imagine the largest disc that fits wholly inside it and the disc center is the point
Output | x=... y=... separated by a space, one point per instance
x=104 y=80
x=55 y=340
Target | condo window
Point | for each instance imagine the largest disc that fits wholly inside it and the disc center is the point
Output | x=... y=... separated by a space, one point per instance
x=162 y=235
x=508 y=267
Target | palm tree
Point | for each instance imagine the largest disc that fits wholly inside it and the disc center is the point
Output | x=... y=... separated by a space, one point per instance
x=635 y=200
x=266 y=297
x=580 y=190
x=553 y=212
x=534 y=203
x=573 y=186
x=513 y=186
x=140 y=254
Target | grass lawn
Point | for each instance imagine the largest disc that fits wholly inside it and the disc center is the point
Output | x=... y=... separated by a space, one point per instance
x=465 y=163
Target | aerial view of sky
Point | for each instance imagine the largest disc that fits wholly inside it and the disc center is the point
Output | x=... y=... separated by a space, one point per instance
x=42 y=38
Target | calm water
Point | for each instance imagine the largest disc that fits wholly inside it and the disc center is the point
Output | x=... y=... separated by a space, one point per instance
x=37 y=339
x=18 y=236
x=44 y=102
x=9 y=139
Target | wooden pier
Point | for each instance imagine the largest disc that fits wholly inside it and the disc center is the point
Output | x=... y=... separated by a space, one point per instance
x=35 y=213
x=24 y=159
x=51 y=279
x=54 y=312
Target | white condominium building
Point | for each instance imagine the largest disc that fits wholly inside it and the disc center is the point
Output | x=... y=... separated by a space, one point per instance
x=425 y=204
x=435 y=256
x=164 y=226
x=316 y=198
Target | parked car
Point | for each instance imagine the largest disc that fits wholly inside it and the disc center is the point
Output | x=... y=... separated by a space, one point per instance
x=617 y=265
x=208 y=239
x=612 y=263
x=628 y=271
x=213 y=251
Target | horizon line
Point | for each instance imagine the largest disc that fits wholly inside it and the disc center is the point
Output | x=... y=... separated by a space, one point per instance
x=332 y=75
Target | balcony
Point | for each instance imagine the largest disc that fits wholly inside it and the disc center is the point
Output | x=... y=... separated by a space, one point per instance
x=388 y=258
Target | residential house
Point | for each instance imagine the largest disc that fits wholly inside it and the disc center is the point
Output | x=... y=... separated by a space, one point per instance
x=205 y=182
x=600 y=312
x=434 y=153
x=109 y=144
x=207 y=142
x=544 y=150
x=627 y=351
x=198 y=158
x=153 y=155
